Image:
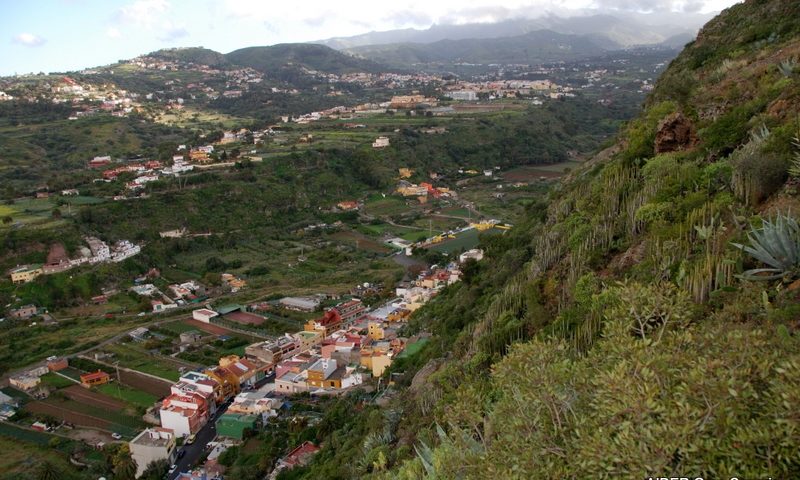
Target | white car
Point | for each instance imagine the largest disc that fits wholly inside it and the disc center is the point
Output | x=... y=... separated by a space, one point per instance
x=173 y=468
x=116 y=436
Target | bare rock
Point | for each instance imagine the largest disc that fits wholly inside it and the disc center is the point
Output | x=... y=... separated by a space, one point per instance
x=675 y=133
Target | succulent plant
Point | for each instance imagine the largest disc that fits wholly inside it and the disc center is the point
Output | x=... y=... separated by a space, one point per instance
x=777 y=244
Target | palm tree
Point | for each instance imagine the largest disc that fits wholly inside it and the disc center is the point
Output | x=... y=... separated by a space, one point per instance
x=48 y=470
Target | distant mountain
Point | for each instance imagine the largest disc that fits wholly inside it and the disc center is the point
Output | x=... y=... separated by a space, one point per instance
x=310 y=56
x=197 y=55
x=622 y=29
x=533 y=47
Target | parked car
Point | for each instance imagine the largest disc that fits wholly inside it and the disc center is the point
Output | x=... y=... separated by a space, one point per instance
x=116 y=436
x=173 y=468
x=181 y=453
x=190 y=439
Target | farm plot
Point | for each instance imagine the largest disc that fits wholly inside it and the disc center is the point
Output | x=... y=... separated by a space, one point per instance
x=127 y=394
x=463 y=241
x=83 y=395
x=208 y=327
x=361 y=242
x=137 y=359
x=88 y=409
x=144 y=383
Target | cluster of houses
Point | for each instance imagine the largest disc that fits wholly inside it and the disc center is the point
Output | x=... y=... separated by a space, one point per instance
x=96 y=251
x=423 y=191
x=472 y=91
x=145 y=172
x=30 y=381
x=195 y=397
x=180 y=294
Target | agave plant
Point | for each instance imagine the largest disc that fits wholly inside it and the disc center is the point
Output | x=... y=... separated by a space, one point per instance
x=777 y=244
x=787 y=67
x=794 y=166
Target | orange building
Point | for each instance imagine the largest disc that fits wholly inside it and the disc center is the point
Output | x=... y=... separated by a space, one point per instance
x=329 y=323
x=227 y=380
x=95 y=378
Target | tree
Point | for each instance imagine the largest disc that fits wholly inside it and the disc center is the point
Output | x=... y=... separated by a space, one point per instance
x=215 y=264
x=123 y=465
x=155 y=470
x=48 y=470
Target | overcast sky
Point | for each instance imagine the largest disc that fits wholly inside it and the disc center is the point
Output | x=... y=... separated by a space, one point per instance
x=62 y=35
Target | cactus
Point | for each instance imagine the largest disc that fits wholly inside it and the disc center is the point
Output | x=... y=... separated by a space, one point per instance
x=787 y=67
x=777 y=244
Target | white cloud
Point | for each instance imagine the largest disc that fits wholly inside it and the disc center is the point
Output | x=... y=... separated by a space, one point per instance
x=145 y=13
x=170 y=31
x=113 y=32
x=29 y=40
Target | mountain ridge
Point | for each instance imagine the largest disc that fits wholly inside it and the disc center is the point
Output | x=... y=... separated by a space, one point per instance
x=625 y=30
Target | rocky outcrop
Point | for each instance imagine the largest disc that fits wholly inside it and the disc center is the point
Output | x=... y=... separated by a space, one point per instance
x=675 y=133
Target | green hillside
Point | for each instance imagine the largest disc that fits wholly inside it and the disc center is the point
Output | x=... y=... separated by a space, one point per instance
x=533 y=47
x=620 y=331
x=196 y=55
x=313 y=57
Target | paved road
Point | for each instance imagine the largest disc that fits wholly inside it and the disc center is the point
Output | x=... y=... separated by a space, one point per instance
x=114 y=339
x=197 y=449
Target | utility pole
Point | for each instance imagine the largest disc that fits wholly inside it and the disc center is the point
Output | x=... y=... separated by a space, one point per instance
x=119 y=380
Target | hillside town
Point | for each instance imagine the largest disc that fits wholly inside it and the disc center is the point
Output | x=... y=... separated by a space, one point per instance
x=347 y=346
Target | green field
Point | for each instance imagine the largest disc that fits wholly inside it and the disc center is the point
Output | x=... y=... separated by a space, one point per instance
x=56 y=381
x=128 y=395
x=22 y=450
x=412 y=349
x=463 y=241
x=389 y=206
x=137 y=359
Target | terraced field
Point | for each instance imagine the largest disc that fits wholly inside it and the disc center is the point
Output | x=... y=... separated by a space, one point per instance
x=89 y=409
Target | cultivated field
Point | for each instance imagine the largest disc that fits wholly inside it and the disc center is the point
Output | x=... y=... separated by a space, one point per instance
x=86 y=408
x=361 y=242
x=144 y=383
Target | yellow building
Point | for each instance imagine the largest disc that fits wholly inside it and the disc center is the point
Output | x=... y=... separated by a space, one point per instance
x=323 y=374
x=375 y=331
x=379 y=364
x=227 y=381
x=25 y=273
x=399 y=315
x=405 y=172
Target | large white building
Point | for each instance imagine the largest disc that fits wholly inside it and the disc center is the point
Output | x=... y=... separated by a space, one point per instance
x=467 y=95
x=151 y=445
x=190 y=404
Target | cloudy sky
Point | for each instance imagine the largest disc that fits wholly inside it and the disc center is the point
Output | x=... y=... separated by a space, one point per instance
x=62 y=35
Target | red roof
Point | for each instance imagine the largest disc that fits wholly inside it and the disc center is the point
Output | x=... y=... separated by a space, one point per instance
x=88 y=377
x=299 y=454
x=331 y=317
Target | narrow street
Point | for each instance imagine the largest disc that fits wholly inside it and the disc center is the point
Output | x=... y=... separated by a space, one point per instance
x=197 y=449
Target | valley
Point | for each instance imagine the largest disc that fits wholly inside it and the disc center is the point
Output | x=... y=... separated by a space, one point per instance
x=533 y=248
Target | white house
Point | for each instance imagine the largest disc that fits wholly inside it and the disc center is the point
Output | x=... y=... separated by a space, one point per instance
x=204 y=315
x=381 y=142
x=151 y=445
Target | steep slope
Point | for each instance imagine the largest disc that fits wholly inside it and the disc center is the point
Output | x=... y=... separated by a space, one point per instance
x=611 y=331
x=533 y=47
x=309 y=56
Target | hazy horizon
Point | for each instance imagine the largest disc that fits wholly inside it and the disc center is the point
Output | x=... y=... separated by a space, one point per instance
x=71 y=35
